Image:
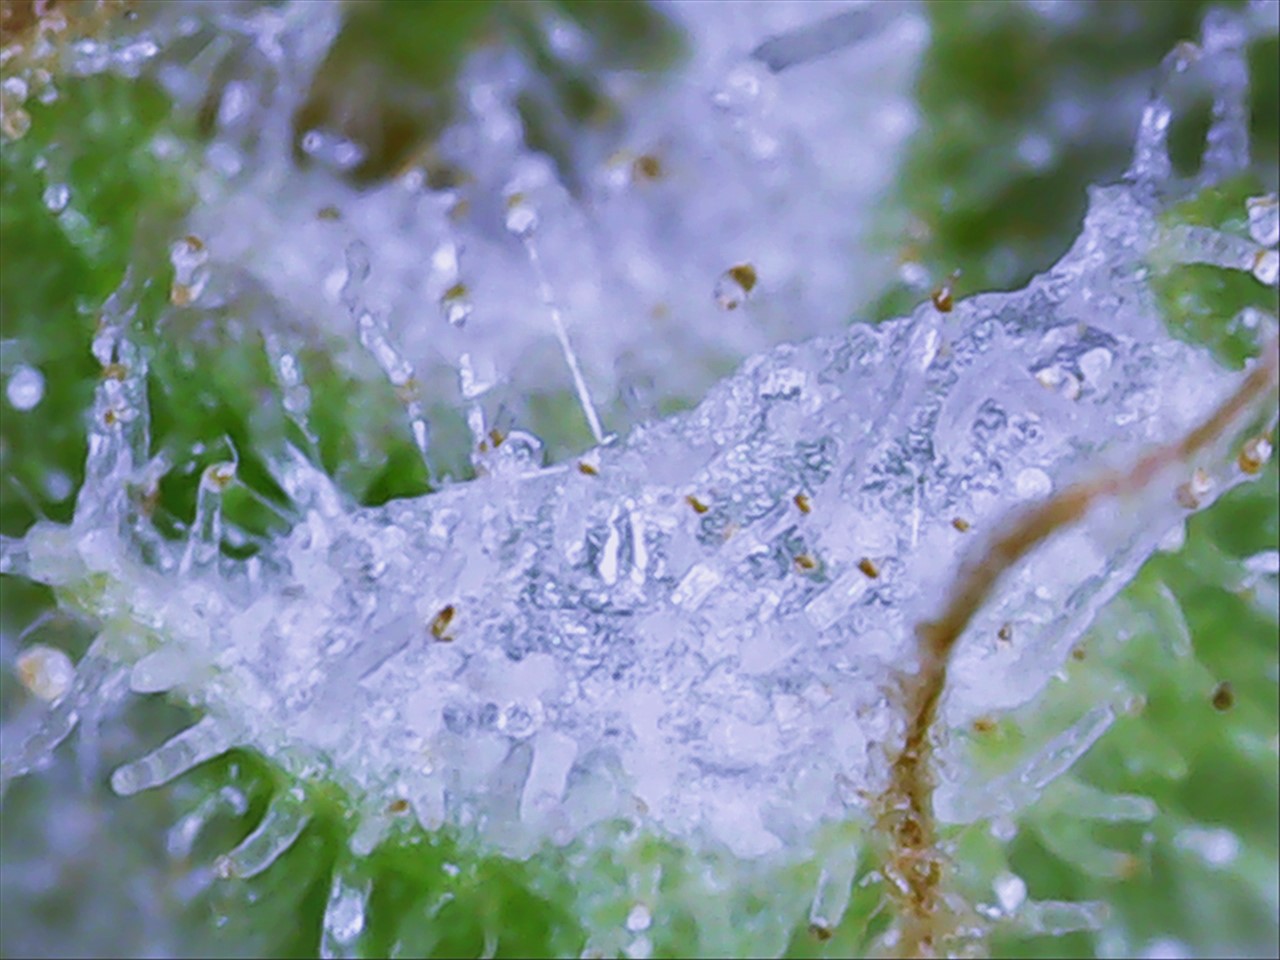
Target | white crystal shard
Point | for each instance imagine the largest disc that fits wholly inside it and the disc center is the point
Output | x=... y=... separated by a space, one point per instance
x=190 y=748
x=344 y=914
x=280 y=827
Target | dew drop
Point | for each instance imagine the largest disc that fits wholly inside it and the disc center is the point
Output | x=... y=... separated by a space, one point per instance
x=639 y=919
x=25 y=389
x=56 y=196
x=46 y=672
x=1032 y=482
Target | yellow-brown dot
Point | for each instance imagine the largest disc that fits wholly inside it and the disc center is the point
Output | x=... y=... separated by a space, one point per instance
x=496 y=437
x=697 y=505
x=869 y=568
x=1224 y=696
x=744 y=274
x=961 y=524
x=1254 y=455
x=455 y=292
x=440 y=623
x=329 y=213
x=1078 y=653
x=983 y=725
x=407 y=391
x=647 y=167
x=806 y=561
x=114 y=371
x=221 y=475
x=398 y=806
x=180 y=295
x=820 y=931
x=802 y=503
x=459 y=210
x=1005 y=632
x=194 y=243
x=588 y=469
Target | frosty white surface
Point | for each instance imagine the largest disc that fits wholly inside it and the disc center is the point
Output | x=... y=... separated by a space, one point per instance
x=631 y=258
x=669 y=636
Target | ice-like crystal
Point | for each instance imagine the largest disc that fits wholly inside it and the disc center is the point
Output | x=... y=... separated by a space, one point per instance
x=631 y=265
x=693 y=626
x=674 y=617
x=344 y=914
x=281 y=825
x=190 y=748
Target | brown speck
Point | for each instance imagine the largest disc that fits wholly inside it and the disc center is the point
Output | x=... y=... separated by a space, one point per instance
x=194 y=243
x=1128 y=867
x=983 y=725
x=744 y=274
x=496 y=437
x=456 y=292
x=109 y=417
x=647 y=167
x=514 y=200
x=805 y=561
x=398 y=806
x=961 y=524
x=405 y=392
x=944 y=296
x=149 y=499
x=1078 y=653
x=802 y=503
x=1254 y=455
x=114 y=371
x=220 y=476
x=1224 y=696
x=1005 y=632
x=440 y=624
x=459 y=210
x=329 y=213
x=869 y=568
x=180 y=295
x=698 y=505
x=820 y=931
x=587 y=469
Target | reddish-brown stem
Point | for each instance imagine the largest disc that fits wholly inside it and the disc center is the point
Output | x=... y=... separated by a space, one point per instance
x=915 y=865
